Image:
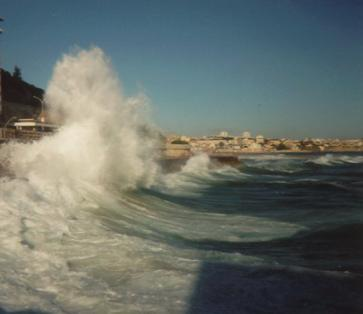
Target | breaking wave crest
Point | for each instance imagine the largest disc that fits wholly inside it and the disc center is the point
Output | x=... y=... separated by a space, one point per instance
x=196 y=175
x=331 y=160
x=285 y=164
x=51 y=187
x=86 y=226
x=76 y=232
x=105 y=137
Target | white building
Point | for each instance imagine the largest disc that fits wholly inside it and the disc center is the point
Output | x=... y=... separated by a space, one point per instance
x=33 y=125
x=255 y=147
x=260 y=139
x=223 y=134
x=185 y=138
x=246 y=134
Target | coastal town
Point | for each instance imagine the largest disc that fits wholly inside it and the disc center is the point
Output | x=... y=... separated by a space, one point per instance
x=181 y=157
x=23 y=117
x=226 y=144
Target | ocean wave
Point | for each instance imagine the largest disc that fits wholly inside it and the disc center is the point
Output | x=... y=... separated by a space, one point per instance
x=196 y=175
x=78 y=235
x=61 y=255
x=81 y=230
x=335 y=159
x=284 y=164
x=321 y=184
x=273 y=166
x=264 y=157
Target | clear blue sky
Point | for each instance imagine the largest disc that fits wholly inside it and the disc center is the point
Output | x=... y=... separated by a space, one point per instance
x=291 y=68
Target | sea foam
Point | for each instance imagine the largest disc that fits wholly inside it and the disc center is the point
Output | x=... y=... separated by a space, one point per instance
x=105 y=137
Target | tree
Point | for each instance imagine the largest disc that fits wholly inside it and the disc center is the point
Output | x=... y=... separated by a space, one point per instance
x=17 y=73
x=282 y=146
x=179 y=142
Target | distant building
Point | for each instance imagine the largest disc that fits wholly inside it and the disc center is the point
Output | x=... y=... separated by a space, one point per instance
x=223 y=134
x=177 y=150
x=292 y=145
x=260 y=139
x=246 y=134
x=33 y=125
x=255 y=147
x=185 y=138
x=17 y=98
x=246 y=142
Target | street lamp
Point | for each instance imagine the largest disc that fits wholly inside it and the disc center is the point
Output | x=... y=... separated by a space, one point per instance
x=6 y=125
x=12 y=118
x=41 y=115
x=1 y=107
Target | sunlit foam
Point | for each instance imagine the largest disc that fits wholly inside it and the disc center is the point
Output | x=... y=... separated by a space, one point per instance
x=105 y=137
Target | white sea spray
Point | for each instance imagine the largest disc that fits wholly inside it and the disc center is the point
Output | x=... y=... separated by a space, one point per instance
x=105 y=137
x=78 y=236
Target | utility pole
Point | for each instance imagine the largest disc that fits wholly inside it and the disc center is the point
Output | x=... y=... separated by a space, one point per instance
x=1 y=71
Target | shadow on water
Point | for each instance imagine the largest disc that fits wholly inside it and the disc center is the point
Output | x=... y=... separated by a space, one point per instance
x=327 y=276
x=338 y=249
x=224 y=288
x=2 y=311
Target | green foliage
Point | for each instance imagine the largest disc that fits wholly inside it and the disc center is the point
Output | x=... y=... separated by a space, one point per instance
x=179 y=142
